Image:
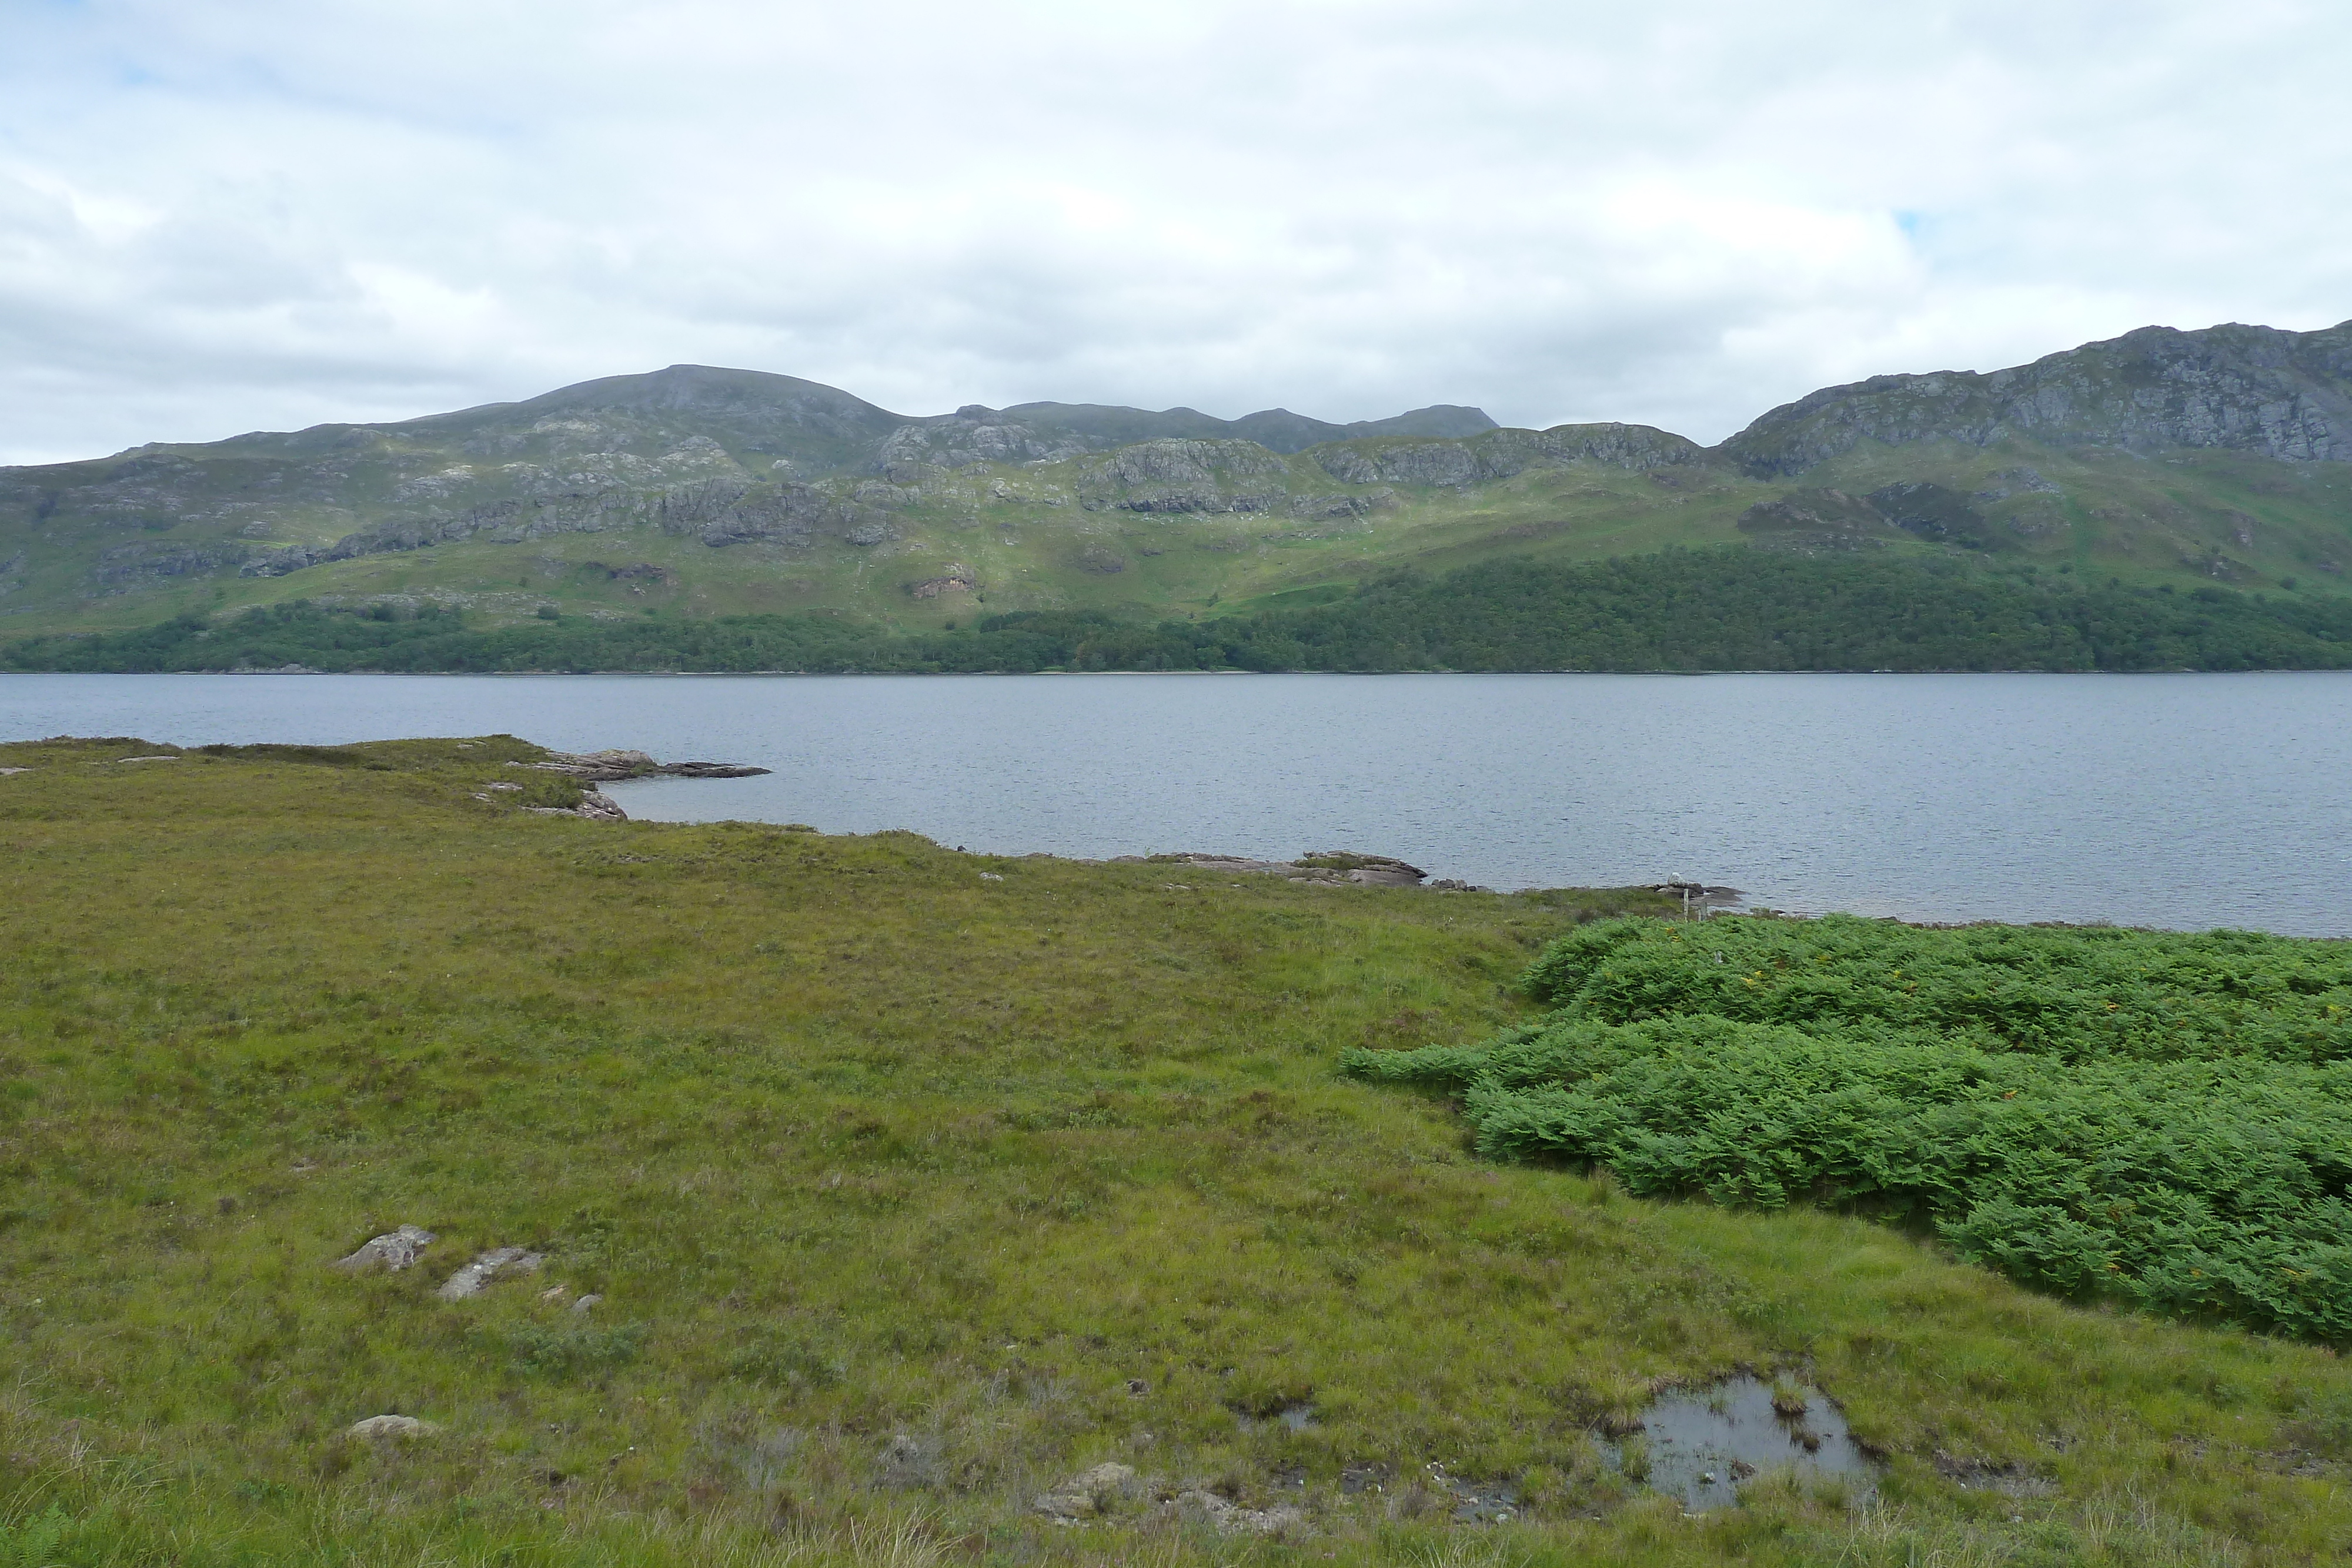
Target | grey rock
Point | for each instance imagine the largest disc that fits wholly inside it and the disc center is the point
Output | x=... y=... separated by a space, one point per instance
x=393 y=1250
x=379 y=1427
x=631 y=763
x=599 y=807
x=585 y=1304
x=1328 y=866
x=500 y=1262
x=609 y=766
x=711 y=771
x=1086 y=1495
x=1231 y=1519
x=1502 y=453
x=957 y=579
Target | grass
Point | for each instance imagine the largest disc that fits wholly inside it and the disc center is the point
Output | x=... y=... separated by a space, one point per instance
x=908 y=1194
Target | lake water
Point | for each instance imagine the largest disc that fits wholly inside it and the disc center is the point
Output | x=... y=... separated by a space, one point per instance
x=2176 y=800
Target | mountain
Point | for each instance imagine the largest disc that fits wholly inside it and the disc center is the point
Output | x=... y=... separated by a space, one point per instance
x=2223 y=456
x=2283 y=395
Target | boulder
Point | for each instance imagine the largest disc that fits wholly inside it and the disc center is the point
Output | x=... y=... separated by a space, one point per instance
x=377 y=1427
x=392 y=1251
x=599 y=807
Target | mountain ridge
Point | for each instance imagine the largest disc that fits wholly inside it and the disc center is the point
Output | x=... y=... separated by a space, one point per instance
x=2219 y=454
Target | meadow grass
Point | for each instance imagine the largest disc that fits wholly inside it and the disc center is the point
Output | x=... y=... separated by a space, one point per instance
x=913 y=1182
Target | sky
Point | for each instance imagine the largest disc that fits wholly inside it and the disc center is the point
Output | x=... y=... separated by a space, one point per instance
x=265 y=213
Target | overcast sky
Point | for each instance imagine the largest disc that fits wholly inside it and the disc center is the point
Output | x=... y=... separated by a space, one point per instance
x=267 y=214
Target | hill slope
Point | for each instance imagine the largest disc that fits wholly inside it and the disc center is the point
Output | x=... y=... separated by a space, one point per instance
x=2214 y=455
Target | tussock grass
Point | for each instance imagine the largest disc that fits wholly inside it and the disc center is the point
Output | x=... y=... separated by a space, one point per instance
x=909 y=1194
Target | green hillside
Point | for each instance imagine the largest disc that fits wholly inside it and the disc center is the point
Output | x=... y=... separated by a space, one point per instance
x=1721 y=609
x=910 y=1186
x=2183 y=457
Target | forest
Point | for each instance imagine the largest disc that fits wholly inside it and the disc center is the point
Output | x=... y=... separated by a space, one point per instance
x=1721 y=609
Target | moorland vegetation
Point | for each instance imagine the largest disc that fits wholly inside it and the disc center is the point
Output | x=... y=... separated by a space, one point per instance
x=2164 y=1120
x=1720 y=608
x=913 y=1183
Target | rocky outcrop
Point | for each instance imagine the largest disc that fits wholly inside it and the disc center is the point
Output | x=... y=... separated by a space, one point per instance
x=609 y=766
x=1832 y=519
x=1327 y=867
x=1502 y=453
x=717 y=512
x=957 y=579
x=1086 y=1495
x=391 y=1251
x=1228 y=1518
x=2285 y=395
x=498 y=1263
x=1934 y=512
x=599 y=807
x=124 y=566
x=1185 y=476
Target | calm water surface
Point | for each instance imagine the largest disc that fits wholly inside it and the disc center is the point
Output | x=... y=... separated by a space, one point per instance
x=2177 y=800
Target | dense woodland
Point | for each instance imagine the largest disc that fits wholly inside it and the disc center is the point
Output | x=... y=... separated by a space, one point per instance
x=1728 y=609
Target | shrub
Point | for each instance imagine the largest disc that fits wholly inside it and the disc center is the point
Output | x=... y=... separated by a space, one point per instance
x=2166 y=1119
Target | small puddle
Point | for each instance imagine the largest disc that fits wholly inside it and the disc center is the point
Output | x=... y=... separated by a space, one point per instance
x=1704 y=1445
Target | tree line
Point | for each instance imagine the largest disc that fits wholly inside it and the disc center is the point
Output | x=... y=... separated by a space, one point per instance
x=1686 y=610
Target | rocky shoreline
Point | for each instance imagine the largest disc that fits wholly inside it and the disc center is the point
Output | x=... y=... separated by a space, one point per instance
x=593 y=768
x=1328 y=868
x=1325 y=866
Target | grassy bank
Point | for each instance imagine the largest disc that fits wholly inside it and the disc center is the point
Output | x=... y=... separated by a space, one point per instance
x=913 y=1182
x=1724 y=608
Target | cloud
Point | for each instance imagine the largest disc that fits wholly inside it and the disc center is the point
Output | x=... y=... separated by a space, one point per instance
x=265 y=215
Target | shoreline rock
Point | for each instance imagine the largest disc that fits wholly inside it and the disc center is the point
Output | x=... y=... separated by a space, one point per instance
x=1331 y=867
x=613 y=766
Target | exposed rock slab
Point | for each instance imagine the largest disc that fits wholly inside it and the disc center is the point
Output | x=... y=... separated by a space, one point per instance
x=1326 y=866
x=499 y=1263
x=611 y=767
x=378 y=1427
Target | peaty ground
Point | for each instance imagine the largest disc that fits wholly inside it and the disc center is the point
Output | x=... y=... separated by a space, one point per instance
x=914 y=1183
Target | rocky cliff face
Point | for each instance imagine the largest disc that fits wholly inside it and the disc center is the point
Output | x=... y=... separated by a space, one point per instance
x=1502 y=453
x=2283 y=395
